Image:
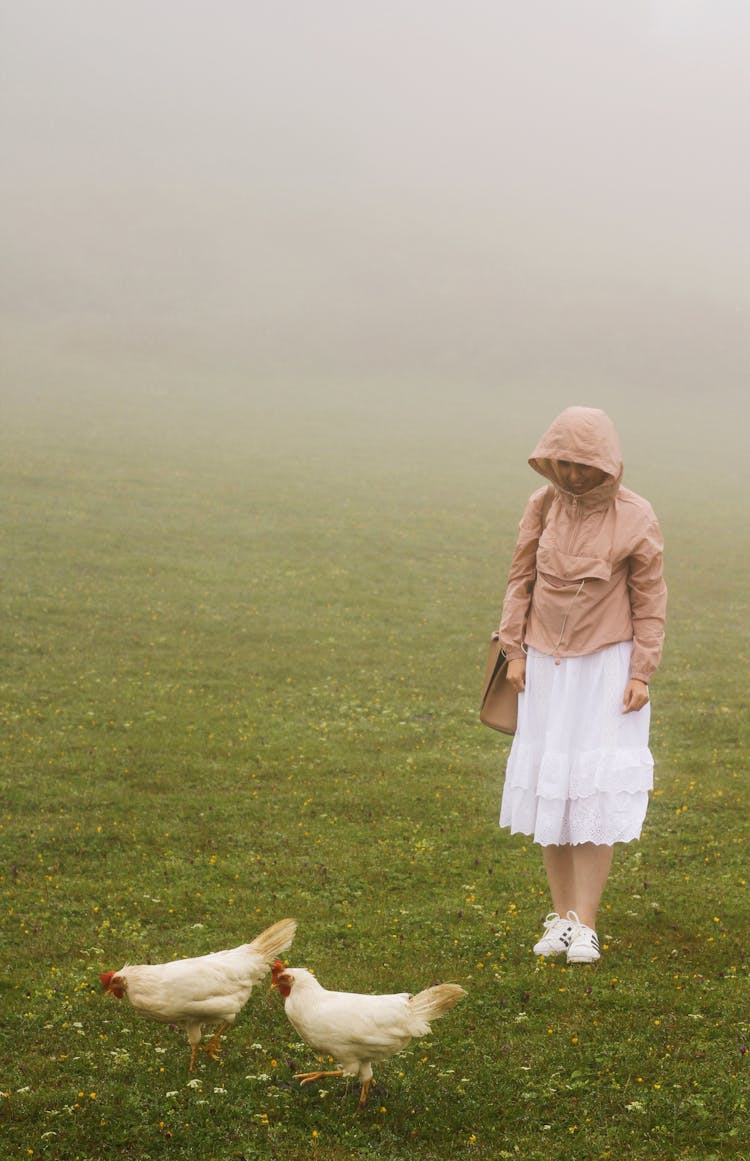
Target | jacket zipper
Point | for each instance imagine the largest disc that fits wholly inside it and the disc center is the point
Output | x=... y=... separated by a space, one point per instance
x=576 y=522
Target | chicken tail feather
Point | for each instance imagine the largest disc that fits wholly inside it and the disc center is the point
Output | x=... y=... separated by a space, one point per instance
x=275 y=939
x=435 y=1001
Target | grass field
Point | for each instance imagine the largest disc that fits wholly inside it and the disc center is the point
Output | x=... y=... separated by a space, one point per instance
x=241 y=649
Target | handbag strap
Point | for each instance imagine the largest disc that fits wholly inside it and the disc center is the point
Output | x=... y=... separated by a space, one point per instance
x=500 y=661
x=549 y=496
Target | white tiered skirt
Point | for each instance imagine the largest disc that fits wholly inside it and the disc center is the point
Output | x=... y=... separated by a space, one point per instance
x=579 y=769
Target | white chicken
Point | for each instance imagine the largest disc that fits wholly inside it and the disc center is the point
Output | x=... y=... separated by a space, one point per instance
x=207 y=989
x=357 y=1030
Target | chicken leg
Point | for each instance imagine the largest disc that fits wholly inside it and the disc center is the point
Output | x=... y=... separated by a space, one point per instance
x=366 y=1086
x=194 y=1033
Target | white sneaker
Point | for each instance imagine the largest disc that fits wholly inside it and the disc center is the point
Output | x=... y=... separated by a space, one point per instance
x=558 y=934
x=584 y=947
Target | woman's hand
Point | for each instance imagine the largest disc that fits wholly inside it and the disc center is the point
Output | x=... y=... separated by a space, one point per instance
x=516 y=674
x=635 y=697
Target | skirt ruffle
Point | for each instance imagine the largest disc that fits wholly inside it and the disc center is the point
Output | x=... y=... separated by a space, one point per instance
x=579 y=770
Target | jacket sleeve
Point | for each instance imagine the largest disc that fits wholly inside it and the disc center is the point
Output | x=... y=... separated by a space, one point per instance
x=521 y=578
x=648 y=602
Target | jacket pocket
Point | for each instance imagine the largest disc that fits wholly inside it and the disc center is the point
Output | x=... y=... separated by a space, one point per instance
x=562 y=567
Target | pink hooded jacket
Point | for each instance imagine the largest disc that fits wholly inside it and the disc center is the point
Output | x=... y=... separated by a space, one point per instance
x=587 y=569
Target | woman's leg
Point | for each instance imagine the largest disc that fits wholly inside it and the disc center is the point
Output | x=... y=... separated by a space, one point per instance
x=558 y=864
x=591 y=867
x=577 y=876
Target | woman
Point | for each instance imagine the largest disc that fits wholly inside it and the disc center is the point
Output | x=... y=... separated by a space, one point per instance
x=582 y=627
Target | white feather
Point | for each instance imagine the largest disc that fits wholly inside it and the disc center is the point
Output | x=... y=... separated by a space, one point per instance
x=206 y=989
x=359 y=1030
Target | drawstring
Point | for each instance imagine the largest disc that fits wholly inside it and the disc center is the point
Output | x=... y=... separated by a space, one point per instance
x=576 y=594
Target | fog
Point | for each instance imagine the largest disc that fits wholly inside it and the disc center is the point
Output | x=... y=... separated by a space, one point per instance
x=492 y=207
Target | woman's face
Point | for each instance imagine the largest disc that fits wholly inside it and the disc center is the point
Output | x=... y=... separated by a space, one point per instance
x=578 y=478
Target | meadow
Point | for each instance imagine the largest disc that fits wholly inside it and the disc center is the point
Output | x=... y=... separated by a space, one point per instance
x=241 y=648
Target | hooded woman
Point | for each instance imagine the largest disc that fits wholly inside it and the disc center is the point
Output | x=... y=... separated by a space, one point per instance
x=582 y=627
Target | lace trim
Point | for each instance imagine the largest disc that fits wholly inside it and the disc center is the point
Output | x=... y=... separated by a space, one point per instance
x=600 y=818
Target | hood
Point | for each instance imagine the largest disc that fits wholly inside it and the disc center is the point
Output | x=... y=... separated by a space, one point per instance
x=581 y=435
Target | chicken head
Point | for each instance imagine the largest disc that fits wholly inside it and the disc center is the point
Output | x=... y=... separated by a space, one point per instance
x=113 y=984
x=280 y=979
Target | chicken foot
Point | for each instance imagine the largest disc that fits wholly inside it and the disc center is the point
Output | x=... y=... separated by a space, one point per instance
x=213 y=1047
x=307 y=1077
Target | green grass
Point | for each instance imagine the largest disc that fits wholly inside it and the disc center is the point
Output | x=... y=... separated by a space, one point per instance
x=241 y=649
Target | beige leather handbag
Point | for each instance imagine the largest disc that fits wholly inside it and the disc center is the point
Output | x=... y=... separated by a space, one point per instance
x=499 y=708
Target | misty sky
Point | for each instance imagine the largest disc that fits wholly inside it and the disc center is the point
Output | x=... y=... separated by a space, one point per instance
x=479 y=191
